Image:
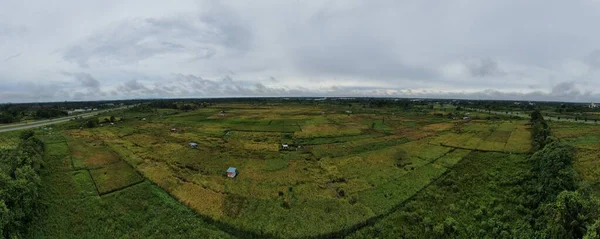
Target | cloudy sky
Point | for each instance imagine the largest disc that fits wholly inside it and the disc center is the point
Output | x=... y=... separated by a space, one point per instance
x=505 y=49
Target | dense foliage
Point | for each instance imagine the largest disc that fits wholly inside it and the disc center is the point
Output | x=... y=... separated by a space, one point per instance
x=540 y=131
x=19 y=185
x=560 y=208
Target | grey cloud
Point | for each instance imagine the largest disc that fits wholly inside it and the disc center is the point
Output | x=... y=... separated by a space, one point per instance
x=131 y=41
x=565 y=89
x=180 y=85
x=337 y=47
x=195 y=86
x=13 y=56
x=133 y=85
x=485 y=67
x=593 y=59
x=85 y=79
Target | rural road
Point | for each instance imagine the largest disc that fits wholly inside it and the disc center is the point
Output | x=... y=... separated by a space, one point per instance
x=28 y=125
x=526 y=115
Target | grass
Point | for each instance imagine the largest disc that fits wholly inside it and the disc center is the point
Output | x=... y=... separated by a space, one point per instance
x=72 y=208
x=87 y=153
x=349 y=169
x=467 y=194
x=114 y=176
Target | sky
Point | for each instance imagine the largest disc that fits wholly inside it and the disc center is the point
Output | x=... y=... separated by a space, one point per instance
x=73 y=50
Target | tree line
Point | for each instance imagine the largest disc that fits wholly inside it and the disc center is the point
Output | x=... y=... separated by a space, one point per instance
x=561 y=207
x=19 y=185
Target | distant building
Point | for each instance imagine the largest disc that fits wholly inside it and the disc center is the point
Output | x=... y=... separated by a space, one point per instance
x=174 y=130
x=593 y=105
x=231 y=172
x=193 y=145
x=466 y=118
x=285 y=146
x=76 y=111
x=348 y=112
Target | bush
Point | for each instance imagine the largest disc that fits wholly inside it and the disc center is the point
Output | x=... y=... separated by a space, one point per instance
x=19 y=185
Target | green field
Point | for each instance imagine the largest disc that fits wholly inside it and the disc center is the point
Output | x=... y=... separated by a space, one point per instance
x=360 y=175
x=340 y=169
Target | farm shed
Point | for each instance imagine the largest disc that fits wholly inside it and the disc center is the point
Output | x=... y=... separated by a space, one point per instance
x=193 y=145
x=231 y=172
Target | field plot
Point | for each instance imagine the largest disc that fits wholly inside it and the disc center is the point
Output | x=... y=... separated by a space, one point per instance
x=90 y=153
x=508 y=137
x=73 y=209
x=336 y=170
x=588 y=165
x=519 y=140
x=114 y=176
x=462 y=196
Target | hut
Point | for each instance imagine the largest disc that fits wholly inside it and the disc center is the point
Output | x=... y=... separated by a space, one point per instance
x=231 y=172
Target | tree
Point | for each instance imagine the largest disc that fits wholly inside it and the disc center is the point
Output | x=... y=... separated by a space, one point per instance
x=91 y=123
x=4 y=216
x=27 y=134
x=569 y=215
x=112 y=118
x=593 y=231
x=553 y=168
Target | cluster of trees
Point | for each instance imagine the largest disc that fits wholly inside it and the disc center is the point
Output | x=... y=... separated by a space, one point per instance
x=49 y=113
x=19 y=185
x=540 y=131
x=560 y=207
x=11 y=113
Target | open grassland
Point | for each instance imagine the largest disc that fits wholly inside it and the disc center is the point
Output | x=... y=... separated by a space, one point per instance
x=462 y=197
x=73 y=209
x=340 y=169
x=585 y=138
x=9 y=140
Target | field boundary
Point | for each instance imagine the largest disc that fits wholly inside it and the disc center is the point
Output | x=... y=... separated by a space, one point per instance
x=122 y=188
x=482 y=150
x=93 y=181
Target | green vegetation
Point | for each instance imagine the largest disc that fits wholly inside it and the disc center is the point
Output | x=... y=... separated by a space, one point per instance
x=19 y=185
x=333 y=168
x=72 y=207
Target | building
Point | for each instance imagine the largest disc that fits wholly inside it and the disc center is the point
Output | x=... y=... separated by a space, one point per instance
x=174 y=130
x=193 y=145
x=466 y=118
x=231 y=172
x=285 y=146
x=593 y=105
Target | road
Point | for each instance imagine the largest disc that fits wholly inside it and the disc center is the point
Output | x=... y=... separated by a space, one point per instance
x=28 y=125
x=525 y=115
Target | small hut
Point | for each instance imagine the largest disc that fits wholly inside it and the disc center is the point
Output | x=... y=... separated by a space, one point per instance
x=231 y=172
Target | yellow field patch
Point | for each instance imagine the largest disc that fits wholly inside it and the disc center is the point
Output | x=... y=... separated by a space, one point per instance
x=438 y=127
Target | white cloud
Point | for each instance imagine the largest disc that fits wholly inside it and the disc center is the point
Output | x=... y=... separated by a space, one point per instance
x=362 y=48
